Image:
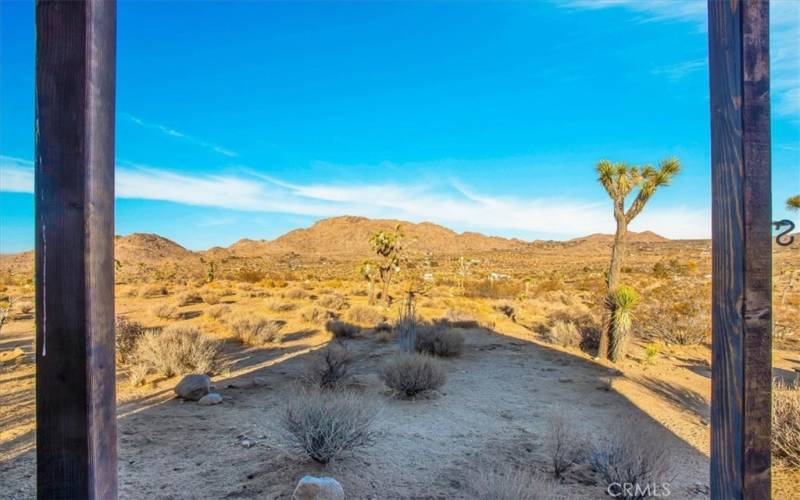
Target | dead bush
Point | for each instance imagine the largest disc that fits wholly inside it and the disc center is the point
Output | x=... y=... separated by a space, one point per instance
x=329 y=368
x=332 y=301
x=410 y=375
x=189 y=298
x=277 y=305
x=786 y=424
x=316 y=315
x=507 y=309
x=438 y=340
x=630 y=455
x=165 y=311
x=564 y=447
x=175 y=351
x=511 y=483
x=342 y=330
x=217 y=311
x=256 y=330
x=326 y=424
x=364 y=315
x=295 y=294
x=563 y=333
x=211 y=298
x=127 y=334
x=153 y=291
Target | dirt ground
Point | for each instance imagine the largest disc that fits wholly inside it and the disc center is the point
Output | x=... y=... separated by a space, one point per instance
x=493 y=410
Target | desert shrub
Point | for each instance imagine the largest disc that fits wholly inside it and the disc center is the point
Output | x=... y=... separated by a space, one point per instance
x=130 y=292
x=511 y=483
x=563 y=333
x=137 y=374
x=176 y=350
x=277 y=305
x=326 y=424
x=189 y=298
x=249 y=276
x=364 y=315
x=295 y=294
x=227 y=292
x=25 y=307
x=564 y=446
x=211 y=298
x=127 y=333
x=786 y=424
x=438 y=340
x=317 y=315
x=677 y=315
x=493 y=289
x=256 y=330
x=328 y=368
x=342 y=330
x=165 y=311
x=459 y=319
x=507 y=309
x=412 y=374
x=333 y=301
x=217 y=311
x=153 y=291
x=630 y=456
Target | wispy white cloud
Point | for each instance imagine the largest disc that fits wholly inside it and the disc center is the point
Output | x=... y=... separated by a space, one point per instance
x=171 y=132
x=675 y=72
x=451 y=204
x=16 y=175
x=784 y=38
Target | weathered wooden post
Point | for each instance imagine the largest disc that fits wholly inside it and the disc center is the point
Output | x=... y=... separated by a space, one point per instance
x=76 y=448
x=742 y=249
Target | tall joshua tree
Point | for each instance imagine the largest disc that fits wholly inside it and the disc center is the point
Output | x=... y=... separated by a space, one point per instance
x=388 y=247
x=793 y=203
x=620 y=180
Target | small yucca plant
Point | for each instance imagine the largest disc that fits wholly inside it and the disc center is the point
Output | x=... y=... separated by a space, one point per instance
x=793 y=203
x=624 y=301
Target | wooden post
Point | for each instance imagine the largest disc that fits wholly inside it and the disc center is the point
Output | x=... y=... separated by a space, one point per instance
x=742 y=249
x=76 y=449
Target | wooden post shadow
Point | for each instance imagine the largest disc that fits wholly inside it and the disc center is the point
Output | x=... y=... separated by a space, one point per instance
x=742 y=249
x=76 y=448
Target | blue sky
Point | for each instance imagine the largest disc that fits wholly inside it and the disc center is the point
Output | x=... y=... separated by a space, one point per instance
x=250 y=119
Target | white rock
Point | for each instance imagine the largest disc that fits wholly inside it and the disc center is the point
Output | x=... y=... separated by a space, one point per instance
x=212 y=398
x=193 y=387
x=318 y=488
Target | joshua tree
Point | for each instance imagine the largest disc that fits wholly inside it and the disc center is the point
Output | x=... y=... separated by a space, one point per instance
x=624 y=299
x=388 y=246
x=619 y=180
x=367 y=271
x=793 y=203
x=5 y=311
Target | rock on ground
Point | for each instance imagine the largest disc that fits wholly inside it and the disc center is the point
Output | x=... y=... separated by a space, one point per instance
x=318 y=488
x=193 y=387
x=212 y=398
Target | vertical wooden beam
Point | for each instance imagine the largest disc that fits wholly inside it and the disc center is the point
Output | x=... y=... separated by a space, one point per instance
x=742 y=249
x=75 y=374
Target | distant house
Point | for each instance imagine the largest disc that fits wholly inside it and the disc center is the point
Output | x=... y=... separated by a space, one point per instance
x=498 y=277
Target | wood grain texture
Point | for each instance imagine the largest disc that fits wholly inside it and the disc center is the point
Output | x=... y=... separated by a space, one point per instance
x=75 y=376
x=741 y=249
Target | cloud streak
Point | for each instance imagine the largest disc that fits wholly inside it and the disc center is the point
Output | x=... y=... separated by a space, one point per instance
x=784 y=38
x=456 y=206
x=171 y=132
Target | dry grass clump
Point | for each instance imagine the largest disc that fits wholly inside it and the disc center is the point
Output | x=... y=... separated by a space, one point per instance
x=333 y=301
x=153 y=291
x=410 y=375
x=786 y=424
x=563 y=333
x=365 y=315
x=277 y=305
x=256 y=330
x=511 y=483
x=165 y=311
x=211 y=298
x=438 y=340
x=631 y=455
x=342 y=330
x=295 y=294
x=564 y=446
x=189 y=298
x=329 y=368
x=127 y=334
x=325 y=424
x=316 y=315
x=217 y=311
x=176 y=350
